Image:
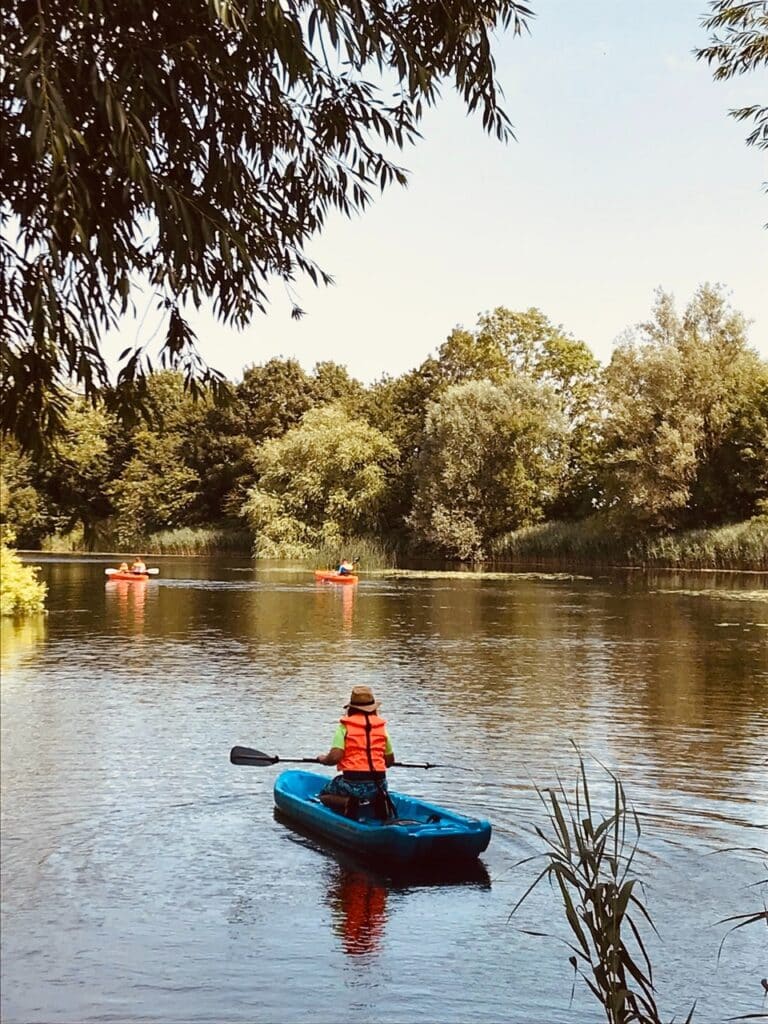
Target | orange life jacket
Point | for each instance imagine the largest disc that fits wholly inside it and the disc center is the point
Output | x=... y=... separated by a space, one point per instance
x=365 y=744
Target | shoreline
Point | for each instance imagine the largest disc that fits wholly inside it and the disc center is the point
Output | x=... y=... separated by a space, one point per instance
x=492 y=566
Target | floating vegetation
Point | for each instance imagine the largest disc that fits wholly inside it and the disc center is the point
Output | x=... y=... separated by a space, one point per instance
x=437 y=574
x=723 y=595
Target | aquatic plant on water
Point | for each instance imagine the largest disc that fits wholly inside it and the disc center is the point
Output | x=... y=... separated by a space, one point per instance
x=589 y=862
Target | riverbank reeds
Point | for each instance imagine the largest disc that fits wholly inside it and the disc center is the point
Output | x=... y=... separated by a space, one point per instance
x=366 y=552
x=200 y=540
x=589 y=863
x=186 y=540
x=740 y=546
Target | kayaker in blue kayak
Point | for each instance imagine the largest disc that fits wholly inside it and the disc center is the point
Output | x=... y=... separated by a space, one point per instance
x=362 y=751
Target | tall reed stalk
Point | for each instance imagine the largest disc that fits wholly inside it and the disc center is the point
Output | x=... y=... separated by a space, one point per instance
x=589 y=862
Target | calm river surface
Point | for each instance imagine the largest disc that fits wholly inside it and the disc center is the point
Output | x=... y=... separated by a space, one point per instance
x=146 y=879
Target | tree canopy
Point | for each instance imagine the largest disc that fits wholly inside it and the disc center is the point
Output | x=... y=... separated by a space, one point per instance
x=194 y=149
x=492 y=459
x=679 y=447
x=320 y=483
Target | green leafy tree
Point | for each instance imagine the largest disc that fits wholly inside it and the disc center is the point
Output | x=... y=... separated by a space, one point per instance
x=321 y=483
x=397 y=406
x=467 y=355
x=157 y=490
x=23 y=511
x=492 y=461
x=198 y=147
x=274 y=396
x=507 y=343
x=685 y=419
x=332 y=384
x=739 y=44
x=77 y=469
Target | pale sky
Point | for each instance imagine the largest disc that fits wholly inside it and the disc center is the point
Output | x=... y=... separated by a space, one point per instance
x=627 y=174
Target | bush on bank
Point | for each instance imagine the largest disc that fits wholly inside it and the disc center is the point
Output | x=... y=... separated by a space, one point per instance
x=21 y=593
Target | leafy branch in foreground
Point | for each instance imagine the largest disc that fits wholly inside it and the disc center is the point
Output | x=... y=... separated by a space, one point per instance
x=742 y=47
x=741 y=921
x=590 y=859
x=198 y=147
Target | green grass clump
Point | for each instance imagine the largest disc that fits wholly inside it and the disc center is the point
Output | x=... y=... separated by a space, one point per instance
x=21 y=593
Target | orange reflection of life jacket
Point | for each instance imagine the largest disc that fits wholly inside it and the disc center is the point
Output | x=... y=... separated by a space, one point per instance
x=365 y=744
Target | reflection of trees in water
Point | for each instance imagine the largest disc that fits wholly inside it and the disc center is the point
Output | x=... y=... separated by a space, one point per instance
x=129 y=597
x=18 y=637
x=359 y=906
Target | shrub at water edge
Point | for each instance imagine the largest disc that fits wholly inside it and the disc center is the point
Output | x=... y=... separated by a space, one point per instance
x=21 y=593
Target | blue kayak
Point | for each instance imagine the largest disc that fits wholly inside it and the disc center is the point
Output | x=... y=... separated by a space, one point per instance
x=422 y=834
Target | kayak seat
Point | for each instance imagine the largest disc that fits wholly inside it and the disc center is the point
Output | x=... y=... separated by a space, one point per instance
x=347 y=806
x=375 y=809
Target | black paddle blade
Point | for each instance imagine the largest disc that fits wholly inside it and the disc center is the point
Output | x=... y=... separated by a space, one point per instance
x=255 y=758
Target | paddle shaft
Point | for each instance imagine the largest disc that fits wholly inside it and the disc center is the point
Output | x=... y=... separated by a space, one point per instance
x=258 y=759
x=146 y=572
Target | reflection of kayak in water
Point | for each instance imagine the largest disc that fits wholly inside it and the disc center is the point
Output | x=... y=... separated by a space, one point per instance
x=421 y=835
x=361 y=904
x=326 y=576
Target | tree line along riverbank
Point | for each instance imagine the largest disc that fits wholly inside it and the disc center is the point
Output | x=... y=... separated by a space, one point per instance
x=511 y=443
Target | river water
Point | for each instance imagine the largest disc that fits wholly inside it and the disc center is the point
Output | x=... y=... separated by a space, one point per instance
x=145 y=878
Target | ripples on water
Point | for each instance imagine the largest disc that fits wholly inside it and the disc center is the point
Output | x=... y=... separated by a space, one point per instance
x=145 y=878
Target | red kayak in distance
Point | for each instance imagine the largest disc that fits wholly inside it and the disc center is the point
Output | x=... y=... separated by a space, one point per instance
x=326 y=576
x=134 y=577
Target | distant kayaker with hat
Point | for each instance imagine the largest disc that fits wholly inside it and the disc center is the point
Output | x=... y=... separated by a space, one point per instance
x=362 y=752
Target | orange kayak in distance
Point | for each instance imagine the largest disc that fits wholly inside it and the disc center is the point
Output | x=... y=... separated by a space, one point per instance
x=326 y=576
x=135 y=576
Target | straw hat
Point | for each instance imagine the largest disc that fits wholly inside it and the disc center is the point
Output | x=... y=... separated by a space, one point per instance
x=362 y=698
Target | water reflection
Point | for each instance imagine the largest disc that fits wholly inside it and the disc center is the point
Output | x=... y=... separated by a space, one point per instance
x=333 y=596
x=127 y=600
x=359 y=906
x=18 y=637
x=130 y=832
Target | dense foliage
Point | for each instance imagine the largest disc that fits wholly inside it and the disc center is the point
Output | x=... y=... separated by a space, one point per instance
x=510 y=425
x=192 y=150
x=21 y=593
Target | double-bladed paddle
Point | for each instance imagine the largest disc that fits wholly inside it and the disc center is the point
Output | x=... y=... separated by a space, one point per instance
x=144 y=572
x=258 y=759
